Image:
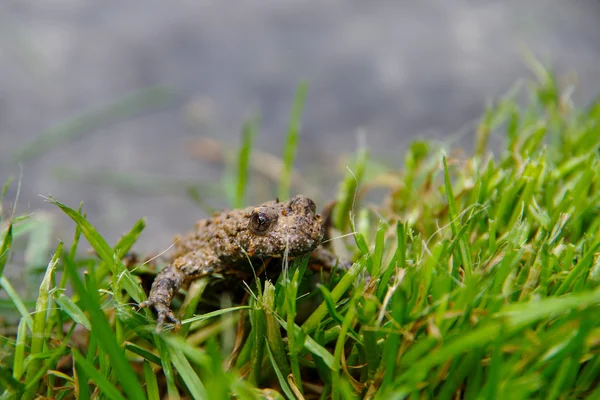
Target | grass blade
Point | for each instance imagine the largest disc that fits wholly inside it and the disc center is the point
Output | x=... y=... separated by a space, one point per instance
x=5 y=247
x=345 y=283
x=105 y=336
x=455 y=222
x=243 y=168
x=291 y=143
x=105 y=252
x=151 y=383
x=38 y=334
x=17 y=301
x=189 y=376
x=107 y=388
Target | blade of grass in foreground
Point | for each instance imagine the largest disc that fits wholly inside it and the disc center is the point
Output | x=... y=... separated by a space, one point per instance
x=291 y=143
x=510 y=320
x=345 y=283
x=17 y=301
x=257 y=335
x=21 y=342
x=165 y=358
x=71 y=309
x=294 y=338
x=275 y=345
x=124 y=244
x=151 y=383
x=455 y=222
x=107 y=388
x=126 y=241
x=213 y=314
x=336 y=376
x=105 y=252
x=189 y=376
x=11 y=386
x=38 y=334
x=106 y=337
x=280 y=376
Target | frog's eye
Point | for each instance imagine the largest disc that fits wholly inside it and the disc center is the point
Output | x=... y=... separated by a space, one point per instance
x=260 y=222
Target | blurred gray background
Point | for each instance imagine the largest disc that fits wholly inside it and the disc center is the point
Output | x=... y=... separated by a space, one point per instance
x=126 y=104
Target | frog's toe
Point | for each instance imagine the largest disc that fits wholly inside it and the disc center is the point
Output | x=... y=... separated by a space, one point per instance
x=144 y=304
x=163 y=312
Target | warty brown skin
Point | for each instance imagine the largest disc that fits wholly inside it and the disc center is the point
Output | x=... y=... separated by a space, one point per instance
x=232 y=242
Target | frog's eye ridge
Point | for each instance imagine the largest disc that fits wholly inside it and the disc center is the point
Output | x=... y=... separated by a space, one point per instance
x=260 y=222
x=312 y=206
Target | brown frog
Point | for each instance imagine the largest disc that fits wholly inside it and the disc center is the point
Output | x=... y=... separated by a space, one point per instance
x=232 y=242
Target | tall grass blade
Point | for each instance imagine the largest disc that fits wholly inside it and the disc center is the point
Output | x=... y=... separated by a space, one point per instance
x=291 y=143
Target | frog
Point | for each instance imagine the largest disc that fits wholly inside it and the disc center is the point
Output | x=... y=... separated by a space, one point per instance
x=235 y=243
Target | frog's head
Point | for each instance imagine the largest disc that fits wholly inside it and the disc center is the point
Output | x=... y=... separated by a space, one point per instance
x=278 y=228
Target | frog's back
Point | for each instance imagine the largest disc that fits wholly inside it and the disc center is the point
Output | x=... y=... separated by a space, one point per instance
x=268 y=230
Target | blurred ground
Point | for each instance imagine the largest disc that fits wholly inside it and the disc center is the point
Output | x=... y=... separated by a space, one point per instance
x=398 y=69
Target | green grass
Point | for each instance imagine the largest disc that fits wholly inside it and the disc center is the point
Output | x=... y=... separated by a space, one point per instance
x=484 y=276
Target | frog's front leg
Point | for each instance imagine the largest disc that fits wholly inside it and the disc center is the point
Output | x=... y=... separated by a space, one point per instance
x=165 y=285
